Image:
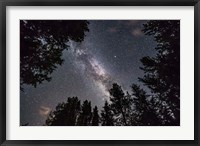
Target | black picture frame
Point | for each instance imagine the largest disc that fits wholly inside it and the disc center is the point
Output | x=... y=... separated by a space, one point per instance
x=5 y=3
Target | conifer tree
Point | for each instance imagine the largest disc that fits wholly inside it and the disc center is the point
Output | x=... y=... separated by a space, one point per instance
x=119 y=104
x=95 y=117
x=162 y=72
x=107 y=116
x=85 y=116
x=144 y=111
x=66 y=114
x=41 y=45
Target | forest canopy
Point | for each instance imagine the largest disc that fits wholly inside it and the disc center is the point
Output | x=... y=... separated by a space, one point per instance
x=159 y=107
x=42 y=43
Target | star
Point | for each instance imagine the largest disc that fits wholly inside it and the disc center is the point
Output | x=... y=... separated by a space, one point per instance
x=89 y=69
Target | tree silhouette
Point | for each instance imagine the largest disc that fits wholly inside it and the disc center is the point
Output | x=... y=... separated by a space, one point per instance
x=95 y=117
x=72 y=113
x=85 y=116
x=120 y=104
x=144 y=111
x=162 y=73
x=56 y=118
x=41 y=45
x=159 y=105
x=66 y=114
x=26 y=124
x=107 y=116
x=129 y=107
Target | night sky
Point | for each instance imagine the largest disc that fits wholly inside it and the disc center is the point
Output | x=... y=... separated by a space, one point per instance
x=110 y=53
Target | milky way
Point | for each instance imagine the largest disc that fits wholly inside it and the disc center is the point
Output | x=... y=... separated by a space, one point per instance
x=92 y=68
x=110 y=53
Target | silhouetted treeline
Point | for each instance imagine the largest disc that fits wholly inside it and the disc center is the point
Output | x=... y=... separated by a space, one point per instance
x=159 y=106
x=41 y=45
x=73 y=113
x=162 y=72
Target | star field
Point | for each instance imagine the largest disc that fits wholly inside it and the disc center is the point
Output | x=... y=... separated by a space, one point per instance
x=110 y=52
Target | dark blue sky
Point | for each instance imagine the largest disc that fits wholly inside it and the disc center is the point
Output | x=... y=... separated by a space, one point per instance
x=111 y=52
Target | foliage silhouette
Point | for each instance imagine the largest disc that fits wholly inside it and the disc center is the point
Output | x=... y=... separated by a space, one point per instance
x=95 y=117
x=107 y=116
x=162 y=73
x=65 y=113
x=85 y=116
x=120 y=104
x=158 y=106
x=144 y=111
x=41 y=45
x=26 y=124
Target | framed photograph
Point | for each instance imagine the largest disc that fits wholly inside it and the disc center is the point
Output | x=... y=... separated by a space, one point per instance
x=100 y=73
